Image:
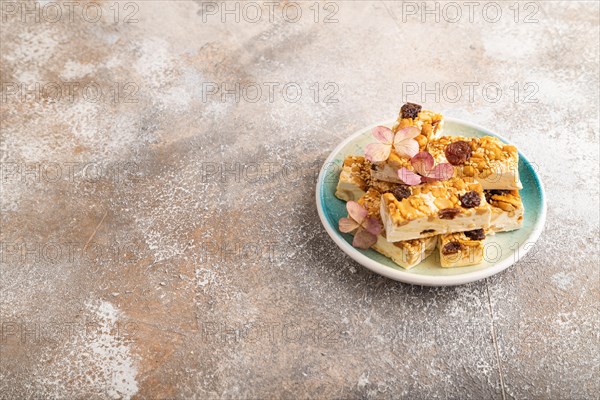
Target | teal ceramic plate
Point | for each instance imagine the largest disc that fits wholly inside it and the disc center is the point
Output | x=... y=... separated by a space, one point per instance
x=501 y=250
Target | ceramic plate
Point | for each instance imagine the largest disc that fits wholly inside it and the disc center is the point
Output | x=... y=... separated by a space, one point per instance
x=501 y=250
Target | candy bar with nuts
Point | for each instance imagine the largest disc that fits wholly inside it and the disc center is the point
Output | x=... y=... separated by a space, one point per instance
x=429 y=123
x=492 y=163
x=355 y=178
x=406 y=254
x=461 y=249
x=430 y=126
x=507 y=210
x=435 y=208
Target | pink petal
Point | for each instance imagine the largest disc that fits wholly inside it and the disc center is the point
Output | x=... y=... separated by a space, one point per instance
x=407 y=148
x=347 y=225
x=441 y=172
x=371 y=224
x=408 y=177
x=383 y=134
x=357 y=212
x=377 y=152
x=422 y=163
x=364 y=239
x=410 y=132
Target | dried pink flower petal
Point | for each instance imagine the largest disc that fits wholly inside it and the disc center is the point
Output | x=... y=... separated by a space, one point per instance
x=404 y=142
x=422 y=163
x=357 y=212
x=368 y=227
x=377 y=152
x=407 y=148
x=364 y=239
x=347 y=225
x=427 y=171
x=383 y=134
x=372 y=225
x=408 y=177
x=410 y=132
x=440 y=172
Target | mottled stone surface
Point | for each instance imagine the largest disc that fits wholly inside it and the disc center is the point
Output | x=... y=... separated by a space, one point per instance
x=161 y=241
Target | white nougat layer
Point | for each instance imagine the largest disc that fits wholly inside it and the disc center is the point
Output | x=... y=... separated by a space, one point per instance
x=426 y=227
x=348 y=190
x=386 y=173
x=507 y=179
x=502 y=221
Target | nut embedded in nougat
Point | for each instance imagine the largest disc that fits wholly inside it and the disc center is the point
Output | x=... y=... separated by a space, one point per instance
x=507 y=210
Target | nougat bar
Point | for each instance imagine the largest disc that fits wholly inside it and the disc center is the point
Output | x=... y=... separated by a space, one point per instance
x=461 y=249
x=507 y=210
x=435 y=208
x=355 y=178
x=406 y=254
x=494 y=164
x=430 y=125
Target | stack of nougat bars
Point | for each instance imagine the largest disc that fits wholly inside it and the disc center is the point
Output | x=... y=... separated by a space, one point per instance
x=455 y=214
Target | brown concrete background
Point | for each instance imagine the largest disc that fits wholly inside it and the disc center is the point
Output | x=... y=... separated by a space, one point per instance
x=163 y=242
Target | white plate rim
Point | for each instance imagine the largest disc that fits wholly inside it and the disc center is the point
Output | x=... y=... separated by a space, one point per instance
x=405 y=276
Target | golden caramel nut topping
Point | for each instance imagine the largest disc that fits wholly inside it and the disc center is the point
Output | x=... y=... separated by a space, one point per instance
x=406 y=254
x=429 y=123
x=371 y=202
x=433 y=208
x=503 y=196
x=507 y=209
x=492 y=162
x=461 y=249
